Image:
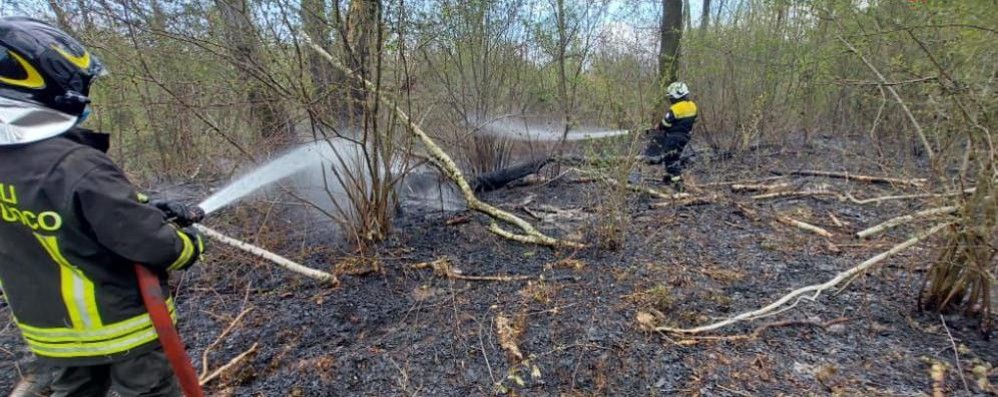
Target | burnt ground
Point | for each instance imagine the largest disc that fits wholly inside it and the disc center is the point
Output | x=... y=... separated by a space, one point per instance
x=389 y=329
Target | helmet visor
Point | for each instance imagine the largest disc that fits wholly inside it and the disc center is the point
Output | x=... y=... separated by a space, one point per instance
x=25 y=122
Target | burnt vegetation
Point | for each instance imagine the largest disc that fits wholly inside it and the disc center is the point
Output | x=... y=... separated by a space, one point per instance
x=836 y=234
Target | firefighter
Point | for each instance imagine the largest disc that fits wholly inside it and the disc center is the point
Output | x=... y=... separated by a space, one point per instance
x=73 y=226
x=673 y=133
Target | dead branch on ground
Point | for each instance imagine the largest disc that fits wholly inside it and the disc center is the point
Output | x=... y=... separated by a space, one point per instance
x=894 y=222
x=915 y=182
x=744 y=181
x=875 y=200
x=688 y=200
x=270 y=256
x=765 y=327
x=956 y=355
x=439 y=158
x=225 y=332
x=781 y=305
x=759 y=187
x=234 y=362
x=442 y=267
x=804 y=226
x=799 y=193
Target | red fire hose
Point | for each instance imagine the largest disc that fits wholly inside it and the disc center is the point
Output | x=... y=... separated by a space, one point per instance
x=155 y=301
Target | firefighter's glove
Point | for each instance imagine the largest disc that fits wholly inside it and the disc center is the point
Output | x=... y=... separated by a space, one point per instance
x=179 y=213
x=197 y=243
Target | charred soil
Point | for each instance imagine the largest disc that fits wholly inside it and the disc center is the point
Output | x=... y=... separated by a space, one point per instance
x=578 y=325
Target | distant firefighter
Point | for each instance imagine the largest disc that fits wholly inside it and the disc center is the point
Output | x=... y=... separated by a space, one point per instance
x=672 y=134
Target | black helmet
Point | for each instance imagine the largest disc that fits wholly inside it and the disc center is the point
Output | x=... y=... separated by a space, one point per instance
x=44 y=65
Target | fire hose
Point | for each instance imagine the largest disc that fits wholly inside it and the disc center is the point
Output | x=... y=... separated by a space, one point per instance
x=154 y=299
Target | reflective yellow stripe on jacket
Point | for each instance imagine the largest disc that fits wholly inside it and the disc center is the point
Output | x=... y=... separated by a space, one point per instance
x=86 y=335
x=186 y=253
x=77 y=289
x=110 y=339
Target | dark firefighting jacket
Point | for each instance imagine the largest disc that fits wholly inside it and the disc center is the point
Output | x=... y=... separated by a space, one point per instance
x=680 y=118
x=73 y=226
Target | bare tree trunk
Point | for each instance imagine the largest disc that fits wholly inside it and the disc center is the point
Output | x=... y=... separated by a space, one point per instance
x=60 y=16
x=363 y=19
x=687 y=18
x=562 y=73
x=671 y=34
x=318 y=28
x=272 y=120
x=705 y=17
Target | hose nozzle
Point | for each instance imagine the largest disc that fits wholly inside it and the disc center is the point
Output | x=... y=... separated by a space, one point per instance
x=195 y=215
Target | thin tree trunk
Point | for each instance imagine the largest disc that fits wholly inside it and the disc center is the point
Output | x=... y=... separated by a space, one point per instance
x=705 y=17
x=671 y=34
x=272 y=120
x=315 y=24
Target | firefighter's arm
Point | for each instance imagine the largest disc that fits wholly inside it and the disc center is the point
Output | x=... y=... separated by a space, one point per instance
x=667 y=120
x=129 y=228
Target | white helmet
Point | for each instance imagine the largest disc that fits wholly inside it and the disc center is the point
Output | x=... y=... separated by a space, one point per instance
x=677 y=90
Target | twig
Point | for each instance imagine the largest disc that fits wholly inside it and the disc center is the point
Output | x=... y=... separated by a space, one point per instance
x=801 y=193
x=894 y=222
x=442 y=267
x=916 y=182
x=758 y=187
x=744 y=181
x=729 y=390
x=956 y=355
x=687 y=200
x=897 y=97
x=906 y=196
x=799 y=294
x=270 y=256
x=235 y=361
x=804 y=226
x=221 y=336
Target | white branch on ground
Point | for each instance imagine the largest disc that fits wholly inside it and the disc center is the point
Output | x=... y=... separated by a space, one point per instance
x=804 y=226
x=894 y=222
x=810 y=292
x=270 y=256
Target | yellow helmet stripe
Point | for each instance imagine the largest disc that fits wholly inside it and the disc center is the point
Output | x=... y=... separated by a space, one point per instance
x=82 y=61
x=33 y=80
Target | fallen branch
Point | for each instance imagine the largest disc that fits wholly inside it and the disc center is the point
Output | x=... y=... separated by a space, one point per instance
x=894 y=222
x=442 y=267
x=797 y=295
x=745 y=181
x=765 y=327
x=907 y=196
x=916 y=182
x=956 y=355
x=687 y=200
x=759 y=187
x=270 y=256
x=804 y=226
x=447 y=166
x=221 y=336
x=235 y=361
x=800 y=193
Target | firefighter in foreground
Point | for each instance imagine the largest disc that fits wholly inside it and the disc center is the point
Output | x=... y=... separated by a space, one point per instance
x=673 y=133
x=73 y=225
